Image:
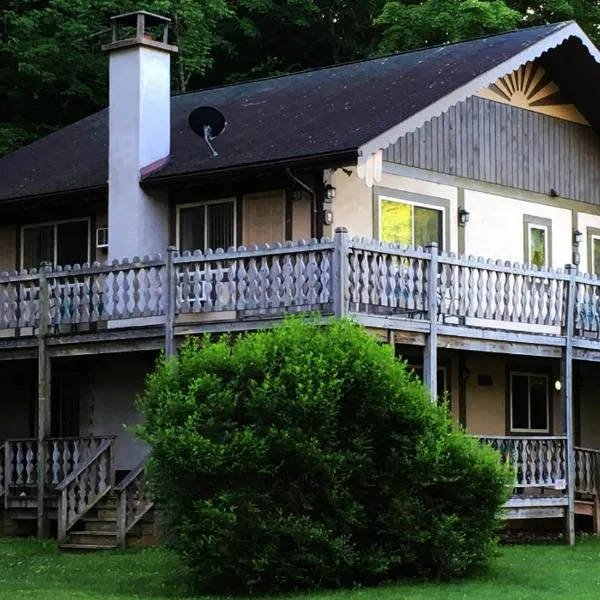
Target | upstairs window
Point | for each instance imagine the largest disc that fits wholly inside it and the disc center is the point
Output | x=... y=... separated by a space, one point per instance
x=206 y=225
x=537 y=241
x=61 y=243
x=410 y=223
x=529 y=403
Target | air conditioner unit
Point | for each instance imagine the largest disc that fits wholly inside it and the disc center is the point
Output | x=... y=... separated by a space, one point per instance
x=102 y=238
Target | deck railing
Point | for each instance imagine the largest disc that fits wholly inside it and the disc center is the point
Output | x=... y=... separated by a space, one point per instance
x=63 y=456
x=359 y=276
x=536 y=461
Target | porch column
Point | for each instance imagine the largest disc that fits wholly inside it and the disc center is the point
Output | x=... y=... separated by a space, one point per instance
x=43 y=406
x=430 y=351
x=567 y=379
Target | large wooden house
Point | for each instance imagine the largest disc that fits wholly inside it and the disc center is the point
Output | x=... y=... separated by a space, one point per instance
x=447 y=198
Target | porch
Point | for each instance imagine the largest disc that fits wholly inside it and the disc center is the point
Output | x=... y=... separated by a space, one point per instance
x=417 y=297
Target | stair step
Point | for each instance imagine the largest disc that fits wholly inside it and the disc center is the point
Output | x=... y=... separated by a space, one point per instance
x=87 y=547
x=97 y=524
x=94 y=538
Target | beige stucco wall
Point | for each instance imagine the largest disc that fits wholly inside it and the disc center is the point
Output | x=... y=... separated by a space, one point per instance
x=263 y=218
x=8 y=247
x=486 y=405
x=109 y=388
x=495 y=228
x=301 y=213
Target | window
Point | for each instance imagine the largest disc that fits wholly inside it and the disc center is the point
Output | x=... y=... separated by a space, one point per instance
x=529 y=402
x=410 y=224
x=594 y=254
x=63 y=243
x=537 y=241
x=206 y=225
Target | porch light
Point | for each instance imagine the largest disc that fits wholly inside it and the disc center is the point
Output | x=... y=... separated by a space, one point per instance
x=557 y=385
x=577 y=238
x=463 y=216
x=329 y=192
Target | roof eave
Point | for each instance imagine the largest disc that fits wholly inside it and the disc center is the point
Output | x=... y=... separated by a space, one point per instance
x=348 y=156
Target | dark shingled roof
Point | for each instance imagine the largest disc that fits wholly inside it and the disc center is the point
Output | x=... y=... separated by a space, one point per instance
x=320 y=112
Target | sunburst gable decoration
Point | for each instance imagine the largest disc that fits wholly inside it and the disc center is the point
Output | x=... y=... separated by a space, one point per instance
x=531 y=87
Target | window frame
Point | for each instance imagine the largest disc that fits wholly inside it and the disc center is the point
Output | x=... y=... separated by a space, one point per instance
x=529 y=372
x=532 y=222
x=593 y=234
x=205 y=203
x=88 y=220
x=421 y=200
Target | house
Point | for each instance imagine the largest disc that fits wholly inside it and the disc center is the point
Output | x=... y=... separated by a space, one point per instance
x=122 y=233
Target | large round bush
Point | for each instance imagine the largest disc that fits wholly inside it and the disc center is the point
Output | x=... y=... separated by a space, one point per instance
x=308 y=456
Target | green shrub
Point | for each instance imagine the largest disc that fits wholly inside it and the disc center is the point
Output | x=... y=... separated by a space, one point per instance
x=308 y=456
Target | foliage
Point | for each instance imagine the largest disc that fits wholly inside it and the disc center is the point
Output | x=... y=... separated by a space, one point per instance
x=439 y=21
x=308 y=456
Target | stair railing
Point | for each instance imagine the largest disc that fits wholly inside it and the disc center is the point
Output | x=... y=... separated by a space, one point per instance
x=82 y=489
x=133 y=501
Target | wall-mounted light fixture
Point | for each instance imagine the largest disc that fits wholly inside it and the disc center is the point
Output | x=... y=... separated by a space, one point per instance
x=329 y=192
x=558 y=385
x=577 y=240
x=463 y=216
x=327 y=217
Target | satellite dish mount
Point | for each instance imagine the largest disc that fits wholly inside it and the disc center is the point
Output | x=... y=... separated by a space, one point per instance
x=208 y=123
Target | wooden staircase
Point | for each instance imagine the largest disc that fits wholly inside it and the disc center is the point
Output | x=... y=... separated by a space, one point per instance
x=82 y=504
x=98 y=529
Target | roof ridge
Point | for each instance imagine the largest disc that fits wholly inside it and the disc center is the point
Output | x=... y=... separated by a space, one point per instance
x=553 y=26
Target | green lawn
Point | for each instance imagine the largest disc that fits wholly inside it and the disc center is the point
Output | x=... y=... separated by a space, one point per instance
x=36 y=570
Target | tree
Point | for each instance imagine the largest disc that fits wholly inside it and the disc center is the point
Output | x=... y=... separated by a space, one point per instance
x=433 y=22
x=308 y=456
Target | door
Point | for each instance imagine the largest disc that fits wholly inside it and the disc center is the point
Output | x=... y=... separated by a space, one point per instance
x=64 y=405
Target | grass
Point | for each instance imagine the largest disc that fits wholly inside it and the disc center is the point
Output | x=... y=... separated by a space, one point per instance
x=30 y=569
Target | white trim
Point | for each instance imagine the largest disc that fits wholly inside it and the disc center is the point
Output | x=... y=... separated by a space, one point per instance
x=205 y=203
x=545 y=229
x=88 y=220
x=548 y=400
x=401 y=200
x=383 y=140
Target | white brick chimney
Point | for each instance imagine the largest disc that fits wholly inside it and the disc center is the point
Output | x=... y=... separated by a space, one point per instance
x=139 y=132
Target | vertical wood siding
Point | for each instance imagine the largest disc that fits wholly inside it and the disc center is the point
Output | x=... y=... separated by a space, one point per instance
x=497 y=143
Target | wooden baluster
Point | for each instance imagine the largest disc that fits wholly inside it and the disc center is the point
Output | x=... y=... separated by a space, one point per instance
x=20 y=464
x=55 y=463
x=364 y=280
x=30 y=467
x=299 y=280
x=325 y=282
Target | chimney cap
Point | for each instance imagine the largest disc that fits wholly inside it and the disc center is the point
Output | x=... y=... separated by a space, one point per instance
x=150 y=29
x=131 y=18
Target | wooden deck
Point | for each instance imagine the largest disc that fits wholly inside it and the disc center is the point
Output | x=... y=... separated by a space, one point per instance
x=476 y=304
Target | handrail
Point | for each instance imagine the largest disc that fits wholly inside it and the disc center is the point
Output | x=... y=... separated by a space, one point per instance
x=131 y=476
x=83 y=488
x=521 y=437
x=133 y=502
x=70 y=478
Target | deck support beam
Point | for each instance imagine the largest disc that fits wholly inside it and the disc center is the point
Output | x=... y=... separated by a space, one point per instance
x=44 y=401
x=567 y=382
x=431 y=340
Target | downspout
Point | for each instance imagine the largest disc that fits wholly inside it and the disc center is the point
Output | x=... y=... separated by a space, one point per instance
x=313 y=200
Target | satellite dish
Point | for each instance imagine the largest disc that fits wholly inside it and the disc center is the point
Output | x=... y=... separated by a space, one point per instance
x=208 y=123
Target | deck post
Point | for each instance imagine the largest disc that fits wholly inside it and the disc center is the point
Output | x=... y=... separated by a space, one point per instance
x=430 y=351
x=340 y=273
x=44 y=391
x=170 y=302
x=567 y=376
